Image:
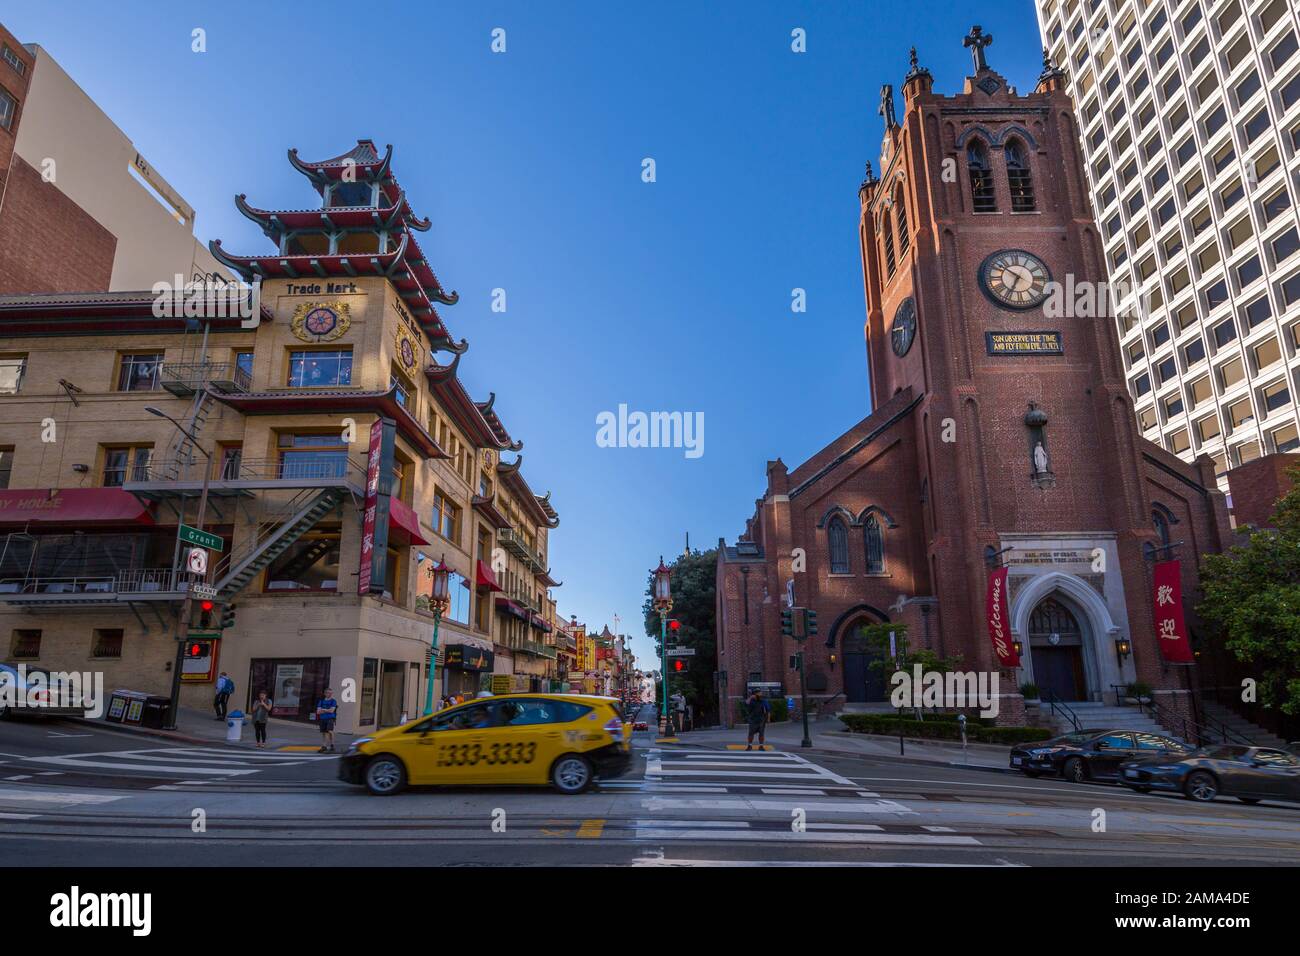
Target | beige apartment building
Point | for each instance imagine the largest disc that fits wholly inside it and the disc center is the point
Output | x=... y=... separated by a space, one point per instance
x=310 y=421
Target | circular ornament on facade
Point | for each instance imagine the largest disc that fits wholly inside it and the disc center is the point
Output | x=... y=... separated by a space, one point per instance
x=317 y=322
x=903 y=331
x=1015 y=279
x=407 y=351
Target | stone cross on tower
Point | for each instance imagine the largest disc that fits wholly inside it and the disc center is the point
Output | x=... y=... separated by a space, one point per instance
x=977 y=41
x=887 y=106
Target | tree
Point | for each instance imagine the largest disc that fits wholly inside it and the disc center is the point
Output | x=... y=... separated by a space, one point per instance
x=694 y=590
x=1252 y=599
x=877 y=638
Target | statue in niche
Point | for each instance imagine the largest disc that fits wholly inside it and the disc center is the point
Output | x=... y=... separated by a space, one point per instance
x=1040 y=460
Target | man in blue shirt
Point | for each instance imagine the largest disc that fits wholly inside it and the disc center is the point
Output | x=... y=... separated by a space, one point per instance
x=225 y=687
x=327 y=711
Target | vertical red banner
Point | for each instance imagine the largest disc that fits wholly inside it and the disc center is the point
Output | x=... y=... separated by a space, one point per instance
x=998 y=613
x=373 y=459
x=1167 y=602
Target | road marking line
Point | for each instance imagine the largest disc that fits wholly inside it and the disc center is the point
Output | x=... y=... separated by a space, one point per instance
x=728 y=773
x=590 y=829
x=732 y=824
x=939 y=829
x=742 y=747
x=39 y=796
x=168 y=771
x=21 y=776
x=872 y=864
x=300 y=748
x=830 y=806
x=784 y=836
x=50 y=773
x=19 y=816
x=794 y=791
x=862 y=827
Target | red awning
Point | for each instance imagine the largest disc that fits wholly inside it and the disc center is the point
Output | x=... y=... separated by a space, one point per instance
x=404 y=524
x=485 y=578
x=78 y=506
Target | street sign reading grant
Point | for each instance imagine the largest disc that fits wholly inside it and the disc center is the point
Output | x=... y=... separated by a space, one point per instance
x=1024 y=343
x=204 y=539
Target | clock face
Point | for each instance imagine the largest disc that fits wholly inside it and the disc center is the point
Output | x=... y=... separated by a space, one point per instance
x=903 y=331
x=1015 y=279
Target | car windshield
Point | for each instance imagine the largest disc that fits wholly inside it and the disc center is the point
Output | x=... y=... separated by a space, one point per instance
x=1227 y=752
x=1077 y=737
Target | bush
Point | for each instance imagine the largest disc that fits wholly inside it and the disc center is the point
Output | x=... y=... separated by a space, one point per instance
x=1138 y=690
x=1029 y=691
x=944 y=729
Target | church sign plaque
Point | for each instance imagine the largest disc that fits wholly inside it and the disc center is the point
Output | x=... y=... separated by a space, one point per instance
x=1024 y=343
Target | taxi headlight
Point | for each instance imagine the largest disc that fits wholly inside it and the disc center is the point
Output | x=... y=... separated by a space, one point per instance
x=356 y=744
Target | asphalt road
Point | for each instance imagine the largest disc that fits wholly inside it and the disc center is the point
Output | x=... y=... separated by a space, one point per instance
x=77 y=796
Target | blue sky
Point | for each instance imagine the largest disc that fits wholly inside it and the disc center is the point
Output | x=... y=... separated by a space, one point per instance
x=668 y=296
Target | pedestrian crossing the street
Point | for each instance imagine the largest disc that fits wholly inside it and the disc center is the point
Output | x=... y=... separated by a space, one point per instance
x=181 y=765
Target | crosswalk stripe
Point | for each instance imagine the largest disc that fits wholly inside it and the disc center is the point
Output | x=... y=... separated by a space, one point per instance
x=862 y=827
x=829 y=806
x=794 y=792
x=60 y=797
x=789 y=836
x=19 y=816
x=167 y=771
x=662 y=860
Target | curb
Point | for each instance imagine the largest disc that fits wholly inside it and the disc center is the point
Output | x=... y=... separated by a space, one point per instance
x=163 y=734
x=894 y=758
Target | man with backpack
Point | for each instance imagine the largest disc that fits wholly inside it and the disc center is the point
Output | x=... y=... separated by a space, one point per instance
x=756 y=713
x=225 y=687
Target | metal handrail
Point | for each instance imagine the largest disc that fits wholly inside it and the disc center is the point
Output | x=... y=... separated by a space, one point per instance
x=196 y=374
x=1200 y=734
x=131 y=581
x=250 y=469
x=270 y=523
x=1054 y=702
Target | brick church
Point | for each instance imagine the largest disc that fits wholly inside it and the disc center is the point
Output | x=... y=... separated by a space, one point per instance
x=998 y=499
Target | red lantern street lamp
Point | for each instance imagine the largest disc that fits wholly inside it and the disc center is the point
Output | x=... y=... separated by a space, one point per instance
x=439 y=601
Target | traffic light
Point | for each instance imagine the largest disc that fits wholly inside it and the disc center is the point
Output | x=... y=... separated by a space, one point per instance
x=205 y=615
x=195 y=649
x=680 y=666
x=810 y=622
x=227 y=616
x=674 y=625
x=787 y=622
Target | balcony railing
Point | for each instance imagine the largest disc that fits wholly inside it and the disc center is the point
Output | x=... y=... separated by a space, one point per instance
x=186 y=378
x=537 y=649
x=514 y=542
x=129 y=585
x=250 y=473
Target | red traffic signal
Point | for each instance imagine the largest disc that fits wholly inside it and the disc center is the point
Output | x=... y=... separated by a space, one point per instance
x=206 y=606
x=674 y=625
x=194 y=649
x=679 y=666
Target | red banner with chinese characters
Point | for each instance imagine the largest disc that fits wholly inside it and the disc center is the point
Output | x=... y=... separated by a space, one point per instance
x=1167 y=602
x=998 y=614
x=373 y=457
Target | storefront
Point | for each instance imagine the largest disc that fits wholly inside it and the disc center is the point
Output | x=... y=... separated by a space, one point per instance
x=463 y=665
x=294 y=684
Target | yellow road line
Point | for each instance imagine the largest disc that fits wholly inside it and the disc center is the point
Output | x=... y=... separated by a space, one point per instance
x=742 y=747
x=299 y=748
x=666 y=740
x=590 y=829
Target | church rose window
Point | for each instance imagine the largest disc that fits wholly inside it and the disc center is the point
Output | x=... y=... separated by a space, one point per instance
x=983 y=198
x=838 y=537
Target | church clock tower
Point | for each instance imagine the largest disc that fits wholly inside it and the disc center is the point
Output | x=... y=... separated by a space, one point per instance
x=1027 y=451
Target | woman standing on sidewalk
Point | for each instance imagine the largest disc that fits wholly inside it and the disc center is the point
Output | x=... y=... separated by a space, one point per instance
x=261 y=714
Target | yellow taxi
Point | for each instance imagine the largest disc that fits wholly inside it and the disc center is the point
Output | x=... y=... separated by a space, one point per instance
x=566 y=740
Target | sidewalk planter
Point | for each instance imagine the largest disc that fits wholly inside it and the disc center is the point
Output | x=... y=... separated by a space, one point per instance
x=886 y=725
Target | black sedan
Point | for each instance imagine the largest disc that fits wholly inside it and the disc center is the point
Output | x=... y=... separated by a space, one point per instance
x=1250 y=774
x=1092 y=754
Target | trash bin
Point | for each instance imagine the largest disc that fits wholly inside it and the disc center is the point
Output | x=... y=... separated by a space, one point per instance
x=156 y=710
x=234 y=726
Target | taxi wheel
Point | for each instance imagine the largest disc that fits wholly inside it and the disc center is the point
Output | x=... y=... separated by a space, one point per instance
x=571 y=774
x=385 y=775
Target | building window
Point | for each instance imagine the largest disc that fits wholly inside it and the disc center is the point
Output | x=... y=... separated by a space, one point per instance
x=1200 y=390
x=229 y=460
x=1284 y=440
x=309 y=564
x=1019 y=178
x=12 y=369
x=403 y=394
x=244 y=369
x=875 y=542
x=1162 y=527
x=1285 y=245
x=139 y=372
x=838 y=537
x=887 y=236
x=130 y=463
x=446 y=516
x=904 y=240
x=13 y=59
x=8 y=107
x=106 y=642
x=983 y=197
x=6 y=465
x=1258 y=311
x=312 y=456
x=320 y=369
x=1276 y=396
x=26 y=644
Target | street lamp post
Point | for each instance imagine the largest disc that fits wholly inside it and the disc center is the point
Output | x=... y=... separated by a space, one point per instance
x=663 y=603
x=439 y=601
x=187 y=605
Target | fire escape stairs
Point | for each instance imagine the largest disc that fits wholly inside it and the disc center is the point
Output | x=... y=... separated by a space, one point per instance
x=273 y=539
x=180 y=460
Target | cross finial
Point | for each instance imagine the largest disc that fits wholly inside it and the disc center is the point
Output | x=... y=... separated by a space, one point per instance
x=887 y=105
x=977 y=41
x=912 y=59
x=870 y=176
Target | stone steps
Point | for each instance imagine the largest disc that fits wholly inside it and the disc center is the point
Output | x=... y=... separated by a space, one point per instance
x=1241 y=726
x=1097 y=716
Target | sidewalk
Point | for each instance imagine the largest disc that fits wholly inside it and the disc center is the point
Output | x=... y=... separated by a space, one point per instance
x=831 y=736
x=201 y=727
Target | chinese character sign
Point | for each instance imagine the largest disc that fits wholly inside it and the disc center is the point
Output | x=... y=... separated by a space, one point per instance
x=374 y=528
x=1167 y=602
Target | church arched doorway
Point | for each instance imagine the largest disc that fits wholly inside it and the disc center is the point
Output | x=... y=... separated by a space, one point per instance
x=863 y=682
x=1056 y=641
